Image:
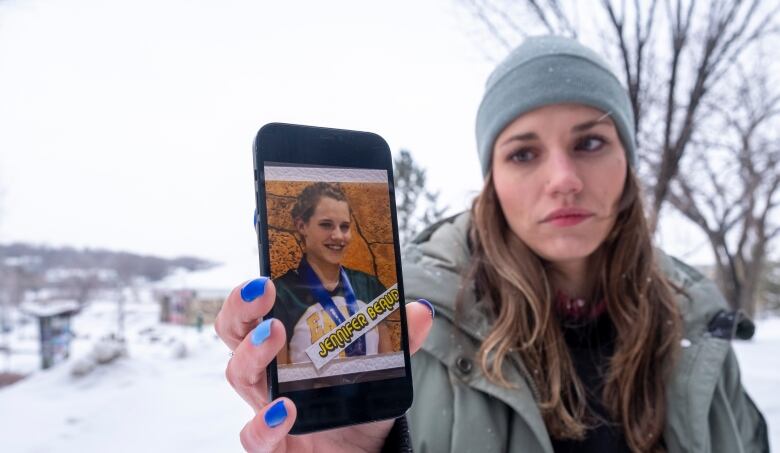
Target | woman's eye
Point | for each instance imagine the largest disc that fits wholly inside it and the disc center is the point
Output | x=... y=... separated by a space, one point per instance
x=345 y=227
x=523 y=155
x=326 y=225
x=591 y=143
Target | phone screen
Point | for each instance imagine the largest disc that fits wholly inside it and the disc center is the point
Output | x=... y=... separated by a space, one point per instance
x=333 y=263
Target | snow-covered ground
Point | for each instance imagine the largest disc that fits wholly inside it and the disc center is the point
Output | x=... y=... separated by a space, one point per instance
x=154 y=401
x=149 y=401
x=759 y=361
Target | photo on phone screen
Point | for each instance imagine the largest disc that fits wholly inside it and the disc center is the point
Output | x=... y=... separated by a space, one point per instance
x=332 y=260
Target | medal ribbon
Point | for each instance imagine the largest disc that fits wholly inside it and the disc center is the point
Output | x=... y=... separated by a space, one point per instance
x=358 y=347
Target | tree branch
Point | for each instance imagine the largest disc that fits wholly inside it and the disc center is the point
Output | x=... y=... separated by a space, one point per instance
x=479 y=11
x=562 y=18
x=541 y=15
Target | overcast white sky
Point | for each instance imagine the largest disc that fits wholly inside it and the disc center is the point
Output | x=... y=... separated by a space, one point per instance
x=128 y=125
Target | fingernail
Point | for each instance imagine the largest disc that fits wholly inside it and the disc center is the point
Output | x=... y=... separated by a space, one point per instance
x=261 y=332
x=429 y=305
x=253 y=289
x=276 y=414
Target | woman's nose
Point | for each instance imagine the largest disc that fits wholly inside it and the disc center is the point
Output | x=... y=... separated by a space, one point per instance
x=562 y=174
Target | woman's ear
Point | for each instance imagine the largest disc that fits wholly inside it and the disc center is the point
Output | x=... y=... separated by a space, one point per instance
x=300 y=226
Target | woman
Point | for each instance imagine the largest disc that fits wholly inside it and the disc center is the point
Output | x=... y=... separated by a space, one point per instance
x=558 y=328
x=320 y=293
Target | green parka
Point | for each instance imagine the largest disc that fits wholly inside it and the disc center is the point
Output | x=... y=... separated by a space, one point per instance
x=456 y=408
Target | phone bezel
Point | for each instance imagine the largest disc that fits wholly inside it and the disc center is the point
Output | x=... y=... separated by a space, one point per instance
x=342 y=405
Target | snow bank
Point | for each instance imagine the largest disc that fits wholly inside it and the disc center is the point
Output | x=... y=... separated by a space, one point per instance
x=147 y=402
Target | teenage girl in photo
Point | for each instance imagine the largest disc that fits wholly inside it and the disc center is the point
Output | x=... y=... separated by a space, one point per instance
x=319 y=294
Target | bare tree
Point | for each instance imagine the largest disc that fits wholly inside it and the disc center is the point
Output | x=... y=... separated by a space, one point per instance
x=417 y=207
x=731 y=186
x=672 y=59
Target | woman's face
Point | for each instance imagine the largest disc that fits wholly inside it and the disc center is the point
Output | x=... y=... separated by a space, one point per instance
x=559 y=172
x=327 y=233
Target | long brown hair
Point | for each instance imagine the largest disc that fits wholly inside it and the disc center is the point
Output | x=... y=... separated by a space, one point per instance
x=640 y=305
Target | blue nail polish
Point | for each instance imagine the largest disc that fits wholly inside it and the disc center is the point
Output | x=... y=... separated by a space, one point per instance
x=253 y=289
x=276 y=414
x=261 y=332
x=429 y=305
x=254 y=219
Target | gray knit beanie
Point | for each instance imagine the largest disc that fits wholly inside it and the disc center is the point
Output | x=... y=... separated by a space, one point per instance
x=551 y=70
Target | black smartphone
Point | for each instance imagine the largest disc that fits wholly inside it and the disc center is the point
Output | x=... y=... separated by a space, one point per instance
x=328 y=238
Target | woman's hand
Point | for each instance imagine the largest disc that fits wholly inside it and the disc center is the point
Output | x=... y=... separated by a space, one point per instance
x=254 y=345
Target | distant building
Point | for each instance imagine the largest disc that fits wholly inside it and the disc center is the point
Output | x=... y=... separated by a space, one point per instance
x=193 y=298
x=54 y=323
x=189 y=306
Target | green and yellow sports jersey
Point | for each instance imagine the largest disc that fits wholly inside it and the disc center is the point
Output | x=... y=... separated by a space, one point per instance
x=304 y=318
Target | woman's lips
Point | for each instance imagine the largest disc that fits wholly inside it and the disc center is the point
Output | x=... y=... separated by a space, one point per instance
x=568 y=221
x=567 y=217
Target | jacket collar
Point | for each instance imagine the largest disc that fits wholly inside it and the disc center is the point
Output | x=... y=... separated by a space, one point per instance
x=441 y=253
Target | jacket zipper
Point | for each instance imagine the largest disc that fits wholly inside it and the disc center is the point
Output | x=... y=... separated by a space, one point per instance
x=526 y=375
